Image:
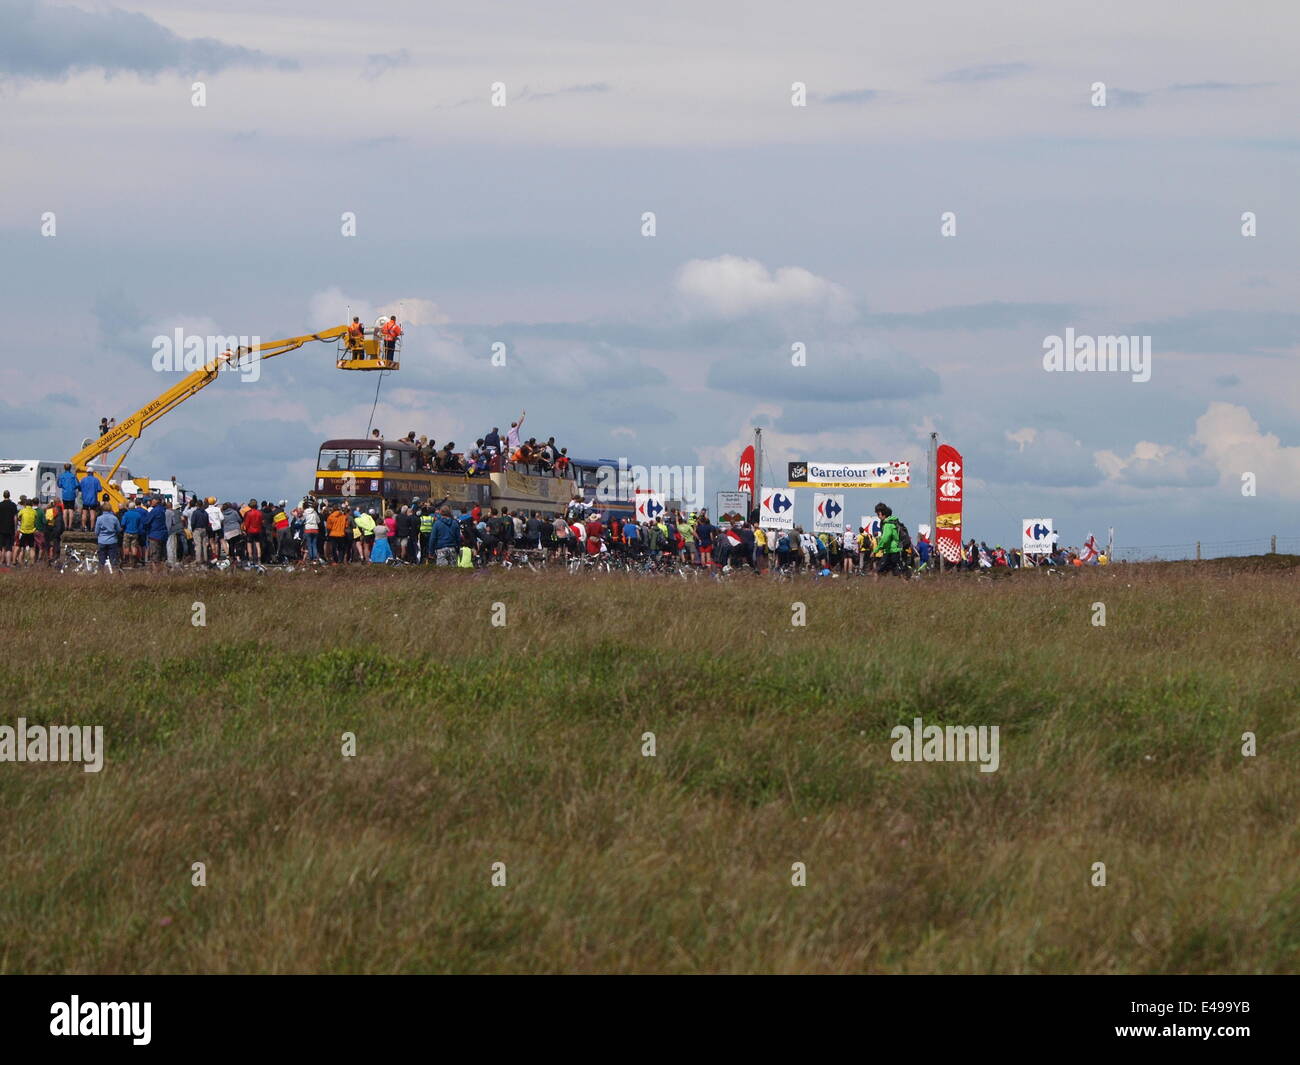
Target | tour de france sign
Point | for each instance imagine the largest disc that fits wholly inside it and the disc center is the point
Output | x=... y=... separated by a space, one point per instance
x=850 y=474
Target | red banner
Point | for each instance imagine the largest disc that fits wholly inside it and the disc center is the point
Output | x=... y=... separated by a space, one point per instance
x=948 y=493
x=746 y=481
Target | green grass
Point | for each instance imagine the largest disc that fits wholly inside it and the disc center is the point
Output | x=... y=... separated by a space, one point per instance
x=522 y=744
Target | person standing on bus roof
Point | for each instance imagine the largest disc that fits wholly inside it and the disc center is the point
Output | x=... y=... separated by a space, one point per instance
x=512 y=437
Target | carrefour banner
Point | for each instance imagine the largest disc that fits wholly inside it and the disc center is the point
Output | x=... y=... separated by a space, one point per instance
x=850 y=474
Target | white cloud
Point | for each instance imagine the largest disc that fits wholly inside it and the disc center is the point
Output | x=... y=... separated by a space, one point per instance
x=1227 y=443
x=331 y=307
x=415 y=311
x=732 y=287
x=1023 y=437
x=1234 y=444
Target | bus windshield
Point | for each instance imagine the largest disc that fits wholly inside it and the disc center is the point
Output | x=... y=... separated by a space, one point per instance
x=359 y=458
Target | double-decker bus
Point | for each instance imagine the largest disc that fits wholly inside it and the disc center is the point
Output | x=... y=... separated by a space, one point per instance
x=382 y=475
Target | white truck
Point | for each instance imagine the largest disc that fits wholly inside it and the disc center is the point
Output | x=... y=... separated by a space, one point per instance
x=39 y=478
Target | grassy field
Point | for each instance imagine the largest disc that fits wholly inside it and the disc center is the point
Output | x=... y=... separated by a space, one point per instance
x=522 y=744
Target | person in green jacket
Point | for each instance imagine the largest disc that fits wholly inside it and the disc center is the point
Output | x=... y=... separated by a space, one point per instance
x=889 y=548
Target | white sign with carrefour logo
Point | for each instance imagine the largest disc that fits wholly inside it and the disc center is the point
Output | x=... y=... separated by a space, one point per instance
x=828 y=513
x=649 y=506
x=850 y=474
x=776 y=508
x=1037 y=535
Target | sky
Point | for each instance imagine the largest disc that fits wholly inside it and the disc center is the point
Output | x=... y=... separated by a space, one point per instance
x=774 y=225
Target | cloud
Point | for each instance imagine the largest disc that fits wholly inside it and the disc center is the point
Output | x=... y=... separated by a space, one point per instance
x=1226 y=444
x=732 y=287
x=986 y=72
x=1219 y=332
x=379 y=64
x=1127 y=97
x=44 y=41
x=331 y=307
x=991 y=315
x=851 y=96
x=804 y=417
x=415 y=311
x=831 y=376
x=1232 y=442
x=1046 y=458
x=1023 y=437
x=1221 y=86
x=1152 y=465
x=588 y=89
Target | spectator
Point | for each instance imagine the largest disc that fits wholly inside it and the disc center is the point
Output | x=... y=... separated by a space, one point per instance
x=90 y=486
x=445 y=538
x=107 y=528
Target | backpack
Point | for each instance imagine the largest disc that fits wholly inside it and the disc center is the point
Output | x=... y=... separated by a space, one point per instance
x=904 y=537
x=465 y=559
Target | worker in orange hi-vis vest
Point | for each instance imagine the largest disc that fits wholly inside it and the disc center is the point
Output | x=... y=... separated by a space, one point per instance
x=356 y=334
x=391 y=331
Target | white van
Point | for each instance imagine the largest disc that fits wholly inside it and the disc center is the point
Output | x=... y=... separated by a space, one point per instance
x=39 y=478
x=154 y=488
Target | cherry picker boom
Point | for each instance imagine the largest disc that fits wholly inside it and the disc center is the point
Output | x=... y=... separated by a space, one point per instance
x=371 y=352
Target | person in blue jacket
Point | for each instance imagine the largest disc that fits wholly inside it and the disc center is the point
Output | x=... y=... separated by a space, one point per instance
x=68 y=491
x=156 y=529
x=90 y=486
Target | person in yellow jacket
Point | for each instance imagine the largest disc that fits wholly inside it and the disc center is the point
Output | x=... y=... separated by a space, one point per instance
x=26 y=531
x=363 y=529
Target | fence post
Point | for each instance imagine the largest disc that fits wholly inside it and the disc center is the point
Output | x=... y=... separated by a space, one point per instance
x=1272 y=550
x=1198 y=550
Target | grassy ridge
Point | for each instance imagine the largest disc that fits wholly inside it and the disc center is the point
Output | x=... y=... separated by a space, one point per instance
x=522 y=744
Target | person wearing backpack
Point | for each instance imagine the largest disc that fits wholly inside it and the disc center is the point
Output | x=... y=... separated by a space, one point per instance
x=889 y=548
x=907 y=550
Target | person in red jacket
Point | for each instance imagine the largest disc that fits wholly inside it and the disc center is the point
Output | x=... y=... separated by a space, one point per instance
x=253 y=529
x=595 y=533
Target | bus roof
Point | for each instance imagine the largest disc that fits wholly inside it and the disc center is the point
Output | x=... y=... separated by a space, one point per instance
x=360 y=442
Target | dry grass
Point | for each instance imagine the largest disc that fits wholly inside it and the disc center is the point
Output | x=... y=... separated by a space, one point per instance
x=522 y=744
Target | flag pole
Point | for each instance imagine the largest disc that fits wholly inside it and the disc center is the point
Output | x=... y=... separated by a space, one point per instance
x=934 y=500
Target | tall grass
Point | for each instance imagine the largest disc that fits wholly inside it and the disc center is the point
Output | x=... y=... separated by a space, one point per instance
x=522 y=744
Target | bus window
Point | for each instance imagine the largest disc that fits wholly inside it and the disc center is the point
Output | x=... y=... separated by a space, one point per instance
x=392 y=459
x=365 y=458
x=333 y=459
x=410 y=461
x=589 y=478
